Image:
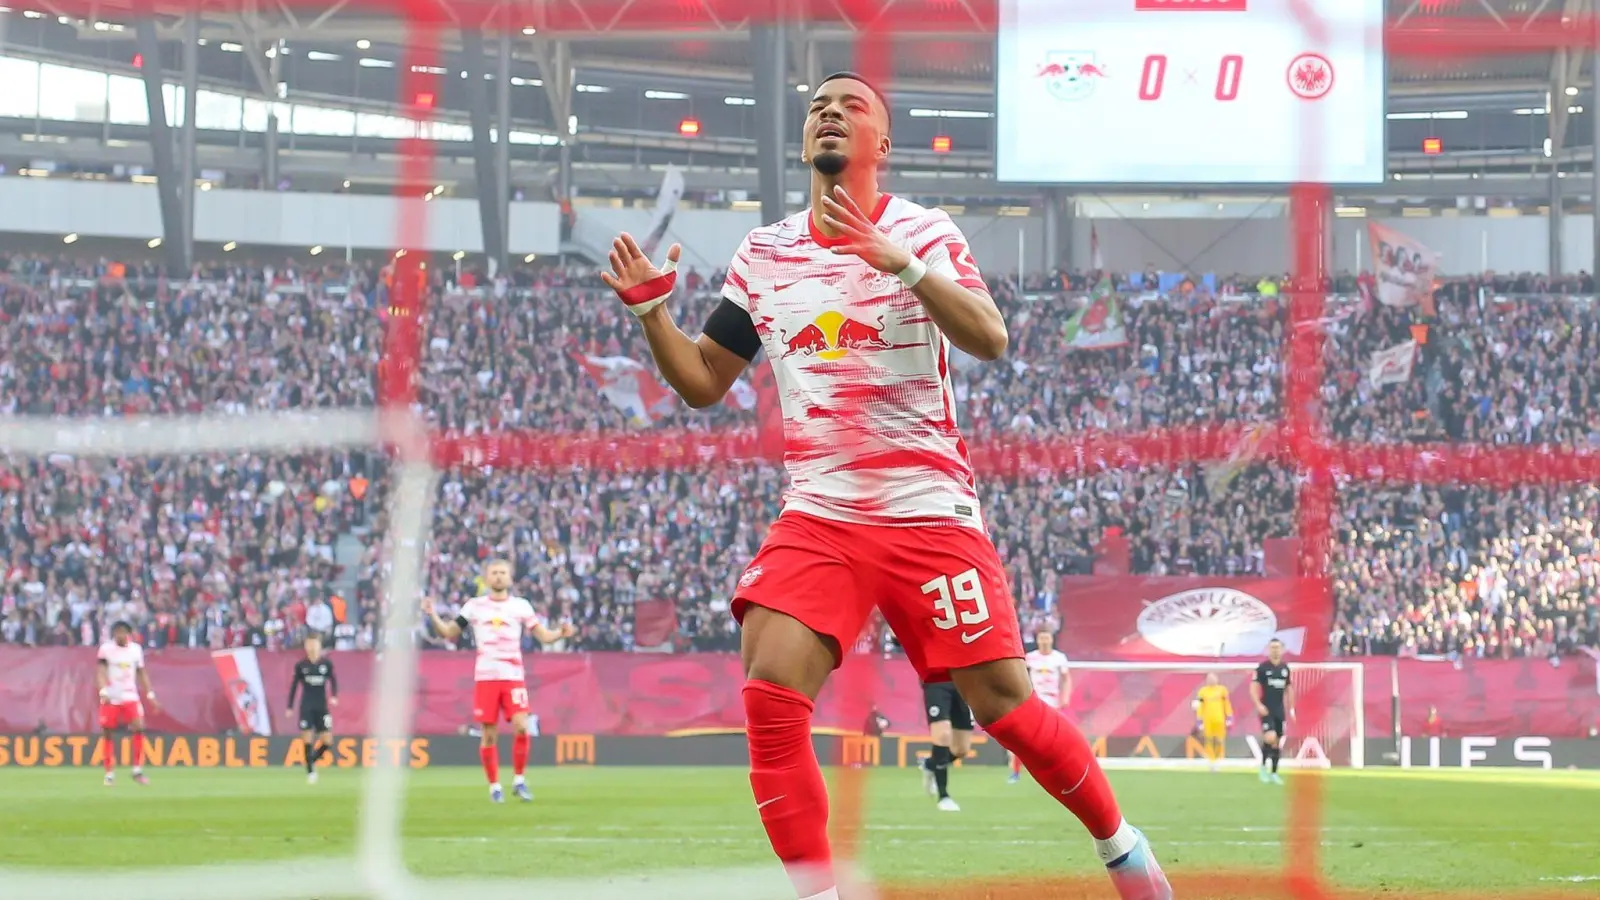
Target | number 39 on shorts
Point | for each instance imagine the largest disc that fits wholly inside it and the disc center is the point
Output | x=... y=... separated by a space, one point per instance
x=958 y=599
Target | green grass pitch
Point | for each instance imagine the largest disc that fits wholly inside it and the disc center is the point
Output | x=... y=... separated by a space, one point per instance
x=1387 y=833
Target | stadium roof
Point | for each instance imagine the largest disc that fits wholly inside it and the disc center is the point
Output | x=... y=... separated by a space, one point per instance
x=642 y=66
x=947 y=44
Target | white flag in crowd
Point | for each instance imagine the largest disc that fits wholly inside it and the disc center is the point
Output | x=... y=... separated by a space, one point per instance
x=741 y=395
x=1097 y=262
x=666 y=204
x=1404 y=267
x=1393 y=366
x=629 y=386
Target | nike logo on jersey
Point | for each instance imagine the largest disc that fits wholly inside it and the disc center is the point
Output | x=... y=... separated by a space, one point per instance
x=969 y=638
x=766 y=803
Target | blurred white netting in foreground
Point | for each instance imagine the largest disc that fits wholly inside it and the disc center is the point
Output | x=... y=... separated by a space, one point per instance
x=377 y=869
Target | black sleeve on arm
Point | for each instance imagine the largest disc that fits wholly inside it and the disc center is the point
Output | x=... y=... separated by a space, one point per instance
x=732 y=329
x=462 y=623
x=333 y=680
x=294 y=686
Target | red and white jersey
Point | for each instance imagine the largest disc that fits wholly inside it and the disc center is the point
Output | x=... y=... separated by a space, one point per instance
x=497 y=628
x=1045 y=669
x=869 y=413
x=122 y=669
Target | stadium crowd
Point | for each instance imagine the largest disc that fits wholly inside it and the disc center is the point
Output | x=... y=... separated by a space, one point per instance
x=241 y=549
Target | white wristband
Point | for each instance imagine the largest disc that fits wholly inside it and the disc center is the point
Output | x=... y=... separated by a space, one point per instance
x=913 y=272
x=150 y=695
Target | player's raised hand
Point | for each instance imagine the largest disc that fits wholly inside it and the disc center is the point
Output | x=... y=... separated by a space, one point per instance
x=860 y=236
x=641 y=285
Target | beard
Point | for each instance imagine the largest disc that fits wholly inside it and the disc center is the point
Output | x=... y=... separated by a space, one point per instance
x=829 y=163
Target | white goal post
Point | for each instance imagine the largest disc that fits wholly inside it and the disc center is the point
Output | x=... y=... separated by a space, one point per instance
x=1139 y=714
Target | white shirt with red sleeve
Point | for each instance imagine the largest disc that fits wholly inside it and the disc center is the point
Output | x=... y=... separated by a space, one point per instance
x=497 y=629
x=863 y=374
x=1045 y=669
x=122 y=670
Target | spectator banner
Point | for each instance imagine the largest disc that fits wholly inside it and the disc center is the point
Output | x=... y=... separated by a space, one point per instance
x=628 y=386
x=240 y=672
x=1135 y=617
x=1392 y=366
x=1492 y=697
x=654 y=624
x=1100 y=325
x=52 y=689
x=1405 y=268
x=666 y=204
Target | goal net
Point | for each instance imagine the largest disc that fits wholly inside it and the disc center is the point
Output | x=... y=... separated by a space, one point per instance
x=1140 y=714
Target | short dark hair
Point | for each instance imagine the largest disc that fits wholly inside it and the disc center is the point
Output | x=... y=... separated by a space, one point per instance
x=121 y=625
x=883 y=99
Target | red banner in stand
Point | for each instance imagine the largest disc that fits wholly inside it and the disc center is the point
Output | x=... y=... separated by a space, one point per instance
x=1154 y=618
x=655 y=694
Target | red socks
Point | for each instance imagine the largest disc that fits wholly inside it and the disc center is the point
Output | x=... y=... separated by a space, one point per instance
x=491 y=763
x=790 y=794
x=138 y=749
x=519 y=751
x=108 y=752
x=1060 y=759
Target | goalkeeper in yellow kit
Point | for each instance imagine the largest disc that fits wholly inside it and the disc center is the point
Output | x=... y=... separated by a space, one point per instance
x=1214 y=715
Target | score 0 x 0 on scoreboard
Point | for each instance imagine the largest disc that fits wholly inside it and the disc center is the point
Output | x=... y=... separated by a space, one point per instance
x=1190 y=92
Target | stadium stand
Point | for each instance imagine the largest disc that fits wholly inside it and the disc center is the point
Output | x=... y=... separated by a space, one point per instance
x=232 y=551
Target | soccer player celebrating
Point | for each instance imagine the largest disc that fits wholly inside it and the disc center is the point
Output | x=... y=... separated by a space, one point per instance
x=950 y=731
x=1273 y=695
x=1213 y=711
x=120 y=675
x=321 y=686
x=1052 y=681
x=498 y=622
x=856 y=302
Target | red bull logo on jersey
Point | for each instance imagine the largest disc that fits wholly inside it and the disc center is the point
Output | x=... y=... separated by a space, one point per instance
x=833 y=335
x=1071 y=75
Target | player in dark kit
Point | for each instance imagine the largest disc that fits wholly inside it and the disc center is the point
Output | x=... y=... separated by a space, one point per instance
x=317 y=685
x=950 y=731
x=857 y=302
x=1272 y=692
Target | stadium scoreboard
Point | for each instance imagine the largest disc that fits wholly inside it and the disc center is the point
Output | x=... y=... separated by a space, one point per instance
x=1190 y=91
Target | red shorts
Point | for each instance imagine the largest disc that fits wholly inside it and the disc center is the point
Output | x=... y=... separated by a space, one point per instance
x=492 y=699
x=940 y=587
x=116 y=715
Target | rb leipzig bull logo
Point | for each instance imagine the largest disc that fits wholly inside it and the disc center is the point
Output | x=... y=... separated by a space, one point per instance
x=1070 y=74
x=833 y=335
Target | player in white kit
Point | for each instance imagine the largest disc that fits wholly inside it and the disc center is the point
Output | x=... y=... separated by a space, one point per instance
x=1052 y=681
x=498 y=621
x=857 y=302
x=120 y=675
